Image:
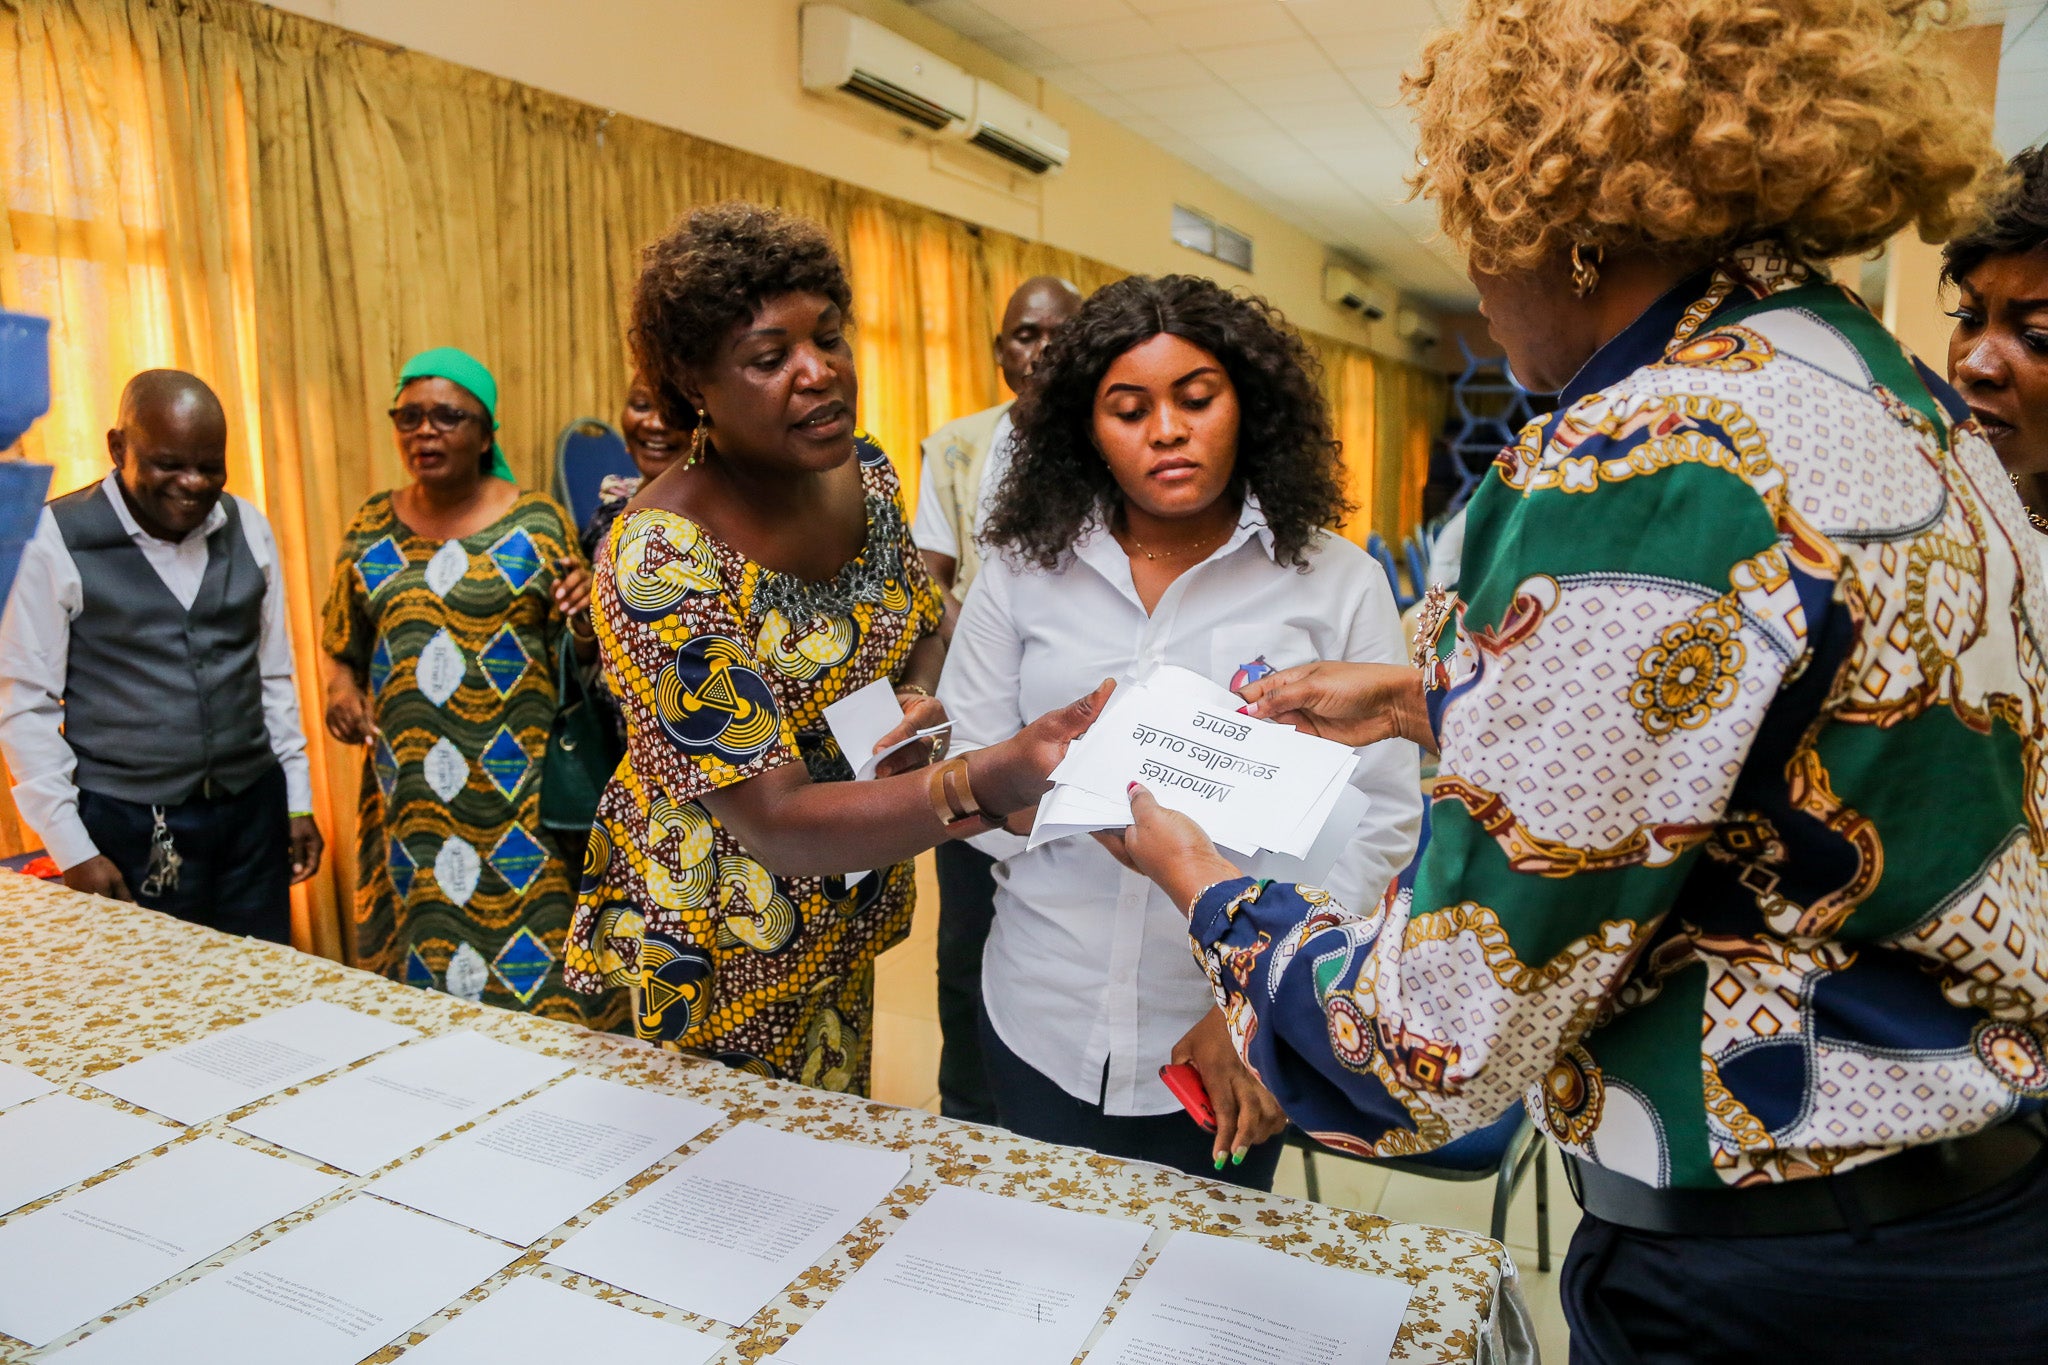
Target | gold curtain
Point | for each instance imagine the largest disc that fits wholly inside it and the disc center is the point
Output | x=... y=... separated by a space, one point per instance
x=1386 y=413
x=289 y=211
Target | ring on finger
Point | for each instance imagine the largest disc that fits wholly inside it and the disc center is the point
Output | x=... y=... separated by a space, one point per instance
x=940 y=743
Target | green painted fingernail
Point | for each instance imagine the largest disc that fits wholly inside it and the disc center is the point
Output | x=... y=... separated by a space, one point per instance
x=1237 y=1157
x=1219 y=1163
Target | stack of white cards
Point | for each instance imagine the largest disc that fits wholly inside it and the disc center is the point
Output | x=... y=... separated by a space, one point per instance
x=1253 y=786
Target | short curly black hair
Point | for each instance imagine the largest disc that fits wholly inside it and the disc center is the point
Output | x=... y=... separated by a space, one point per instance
x=1286 y=454
x=717 y=267
x=2014 y=222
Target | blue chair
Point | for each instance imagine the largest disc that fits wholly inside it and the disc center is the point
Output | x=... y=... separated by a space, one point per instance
x=1418 y=563
x=1502 y=1152
x=1377 y=548
x=588 y=449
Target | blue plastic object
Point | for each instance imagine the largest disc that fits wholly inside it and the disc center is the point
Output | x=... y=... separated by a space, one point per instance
x=24 y=373
x=24 y=396
x=588 y=449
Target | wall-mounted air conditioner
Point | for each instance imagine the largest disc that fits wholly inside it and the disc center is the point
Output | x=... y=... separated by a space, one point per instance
x=1019 y=133
x=1415 y=328
x=854 y=56
x=1353 y=293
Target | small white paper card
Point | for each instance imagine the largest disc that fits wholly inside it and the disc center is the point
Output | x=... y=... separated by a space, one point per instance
x=70 y=1261
x=369 y=1117
x=531 y=1319
x=199 y=1080
x=330 y=1292
x=19 y=1085
x=522 y=1173
x=726 y=1231
x=1219 y=1300
x=859 y=720
x=973 y=1276
x=59 y=1140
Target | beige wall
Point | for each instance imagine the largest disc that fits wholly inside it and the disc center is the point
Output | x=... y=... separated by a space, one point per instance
x=727 y=70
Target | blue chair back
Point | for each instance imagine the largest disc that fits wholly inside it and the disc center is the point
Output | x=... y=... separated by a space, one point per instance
x=588 y=449
x=1377 y=548
x=1418 y=564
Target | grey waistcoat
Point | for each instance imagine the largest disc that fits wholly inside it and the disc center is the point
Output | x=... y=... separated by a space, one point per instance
x=162 y=703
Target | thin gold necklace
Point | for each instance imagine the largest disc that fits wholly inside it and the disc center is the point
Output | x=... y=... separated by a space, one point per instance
x=2040 y=522
x=1156 y=555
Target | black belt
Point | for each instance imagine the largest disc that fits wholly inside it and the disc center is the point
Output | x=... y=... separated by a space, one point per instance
x=1919 y=1180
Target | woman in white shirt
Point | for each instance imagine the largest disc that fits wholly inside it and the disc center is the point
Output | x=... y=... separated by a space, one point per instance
x=1164 y=504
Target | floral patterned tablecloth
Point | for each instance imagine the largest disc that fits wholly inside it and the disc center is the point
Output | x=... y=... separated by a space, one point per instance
x=88 y=984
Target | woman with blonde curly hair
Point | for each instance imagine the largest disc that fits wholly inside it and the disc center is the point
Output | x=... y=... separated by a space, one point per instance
x=1736 y=876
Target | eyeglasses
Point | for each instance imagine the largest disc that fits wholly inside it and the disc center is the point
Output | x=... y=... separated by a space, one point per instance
x=446 y=417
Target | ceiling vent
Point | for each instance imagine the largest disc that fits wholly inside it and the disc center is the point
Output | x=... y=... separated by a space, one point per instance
x=845 y=53
x=1019 y=133
x=1354 y=294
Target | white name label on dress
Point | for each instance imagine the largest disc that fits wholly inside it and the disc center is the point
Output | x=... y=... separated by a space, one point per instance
x=447 y=567
x=446 y=769
x=440 y=668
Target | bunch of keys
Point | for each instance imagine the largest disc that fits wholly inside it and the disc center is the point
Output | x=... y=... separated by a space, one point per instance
x=164 y=861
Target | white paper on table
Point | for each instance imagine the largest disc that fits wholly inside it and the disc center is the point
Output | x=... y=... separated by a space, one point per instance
x=974 y=1276
x=521 y=1174
x=1250 y=784
x=59 y=1140
x=226 y=1070
x=68 y=1262
x=726 y=1231
x=329 y=1292
x=1221 y=1301
x=19 y=1085
x=531 y=1319
x=369 y=1117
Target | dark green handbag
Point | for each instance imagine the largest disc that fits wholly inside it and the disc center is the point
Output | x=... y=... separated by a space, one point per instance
x=582 y=752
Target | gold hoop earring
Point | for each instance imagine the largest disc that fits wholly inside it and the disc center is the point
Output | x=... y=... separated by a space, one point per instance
x=1585 y=273
x=699 y=439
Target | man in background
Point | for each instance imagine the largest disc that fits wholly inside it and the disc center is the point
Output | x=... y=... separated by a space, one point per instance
x=147 y=710
x=964 y=462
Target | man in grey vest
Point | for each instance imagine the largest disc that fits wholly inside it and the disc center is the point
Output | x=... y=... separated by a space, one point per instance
x=147 y=709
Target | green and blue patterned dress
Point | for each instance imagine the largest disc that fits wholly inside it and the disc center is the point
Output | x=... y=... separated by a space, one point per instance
x=457 y=887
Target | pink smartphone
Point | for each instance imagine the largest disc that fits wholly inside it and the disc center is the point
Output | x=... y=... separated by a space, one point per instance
x=1186 y=1084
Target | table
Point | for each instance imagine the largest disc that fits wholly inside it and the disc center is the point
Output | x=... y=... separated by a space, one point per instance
x=87 y=985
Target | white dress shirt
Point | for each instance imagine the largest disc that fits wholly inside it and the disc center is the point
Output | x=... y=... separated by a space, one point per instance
x=932 y=529
x=1088 y=964
x=35 y=653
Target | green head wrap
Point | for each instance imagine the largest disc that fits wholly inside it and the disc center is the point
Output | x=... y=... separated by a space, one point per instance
x=460 y=367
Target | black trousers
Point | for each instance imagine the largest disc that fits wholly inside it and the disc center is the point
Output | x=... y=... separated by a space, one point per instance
x=1966 y=1284
x=237 y=871
x=967 y=907
x=1032 y=1104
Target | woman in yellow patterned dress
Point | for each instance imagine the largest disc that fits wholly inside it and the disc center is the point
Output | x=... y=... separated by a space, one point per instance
x=747 y=587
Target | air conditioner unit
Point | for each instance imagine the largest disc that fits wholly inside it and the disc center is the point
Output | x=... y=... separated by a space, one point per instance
x=846 y=53
x=1343 y=289
x=1019 y=133
x=1414 y=328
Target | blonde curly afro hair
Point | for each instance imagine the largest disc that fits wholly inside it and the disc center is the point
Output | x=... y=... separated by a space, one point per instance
x=1688 y=126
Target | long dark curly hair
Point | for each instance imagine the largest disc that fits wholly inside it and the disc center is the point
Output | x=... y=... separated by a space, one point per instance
x=716 y=267
x=1286 y=454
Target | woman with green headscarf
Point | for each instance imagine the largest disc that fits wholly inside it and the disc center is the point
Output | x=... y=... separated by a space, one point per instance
x=451 y=596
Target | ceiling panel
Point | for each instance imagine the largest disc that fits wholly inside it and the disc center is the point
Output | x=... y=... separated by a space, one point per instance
x=1296 y=102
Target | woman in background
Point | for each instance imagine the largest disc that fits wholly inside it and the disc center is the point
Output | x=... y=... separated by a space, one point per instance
x=728 y=880
x=654 y=445
x=1998 y=353
x=451 y=595
x=1165 y=503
